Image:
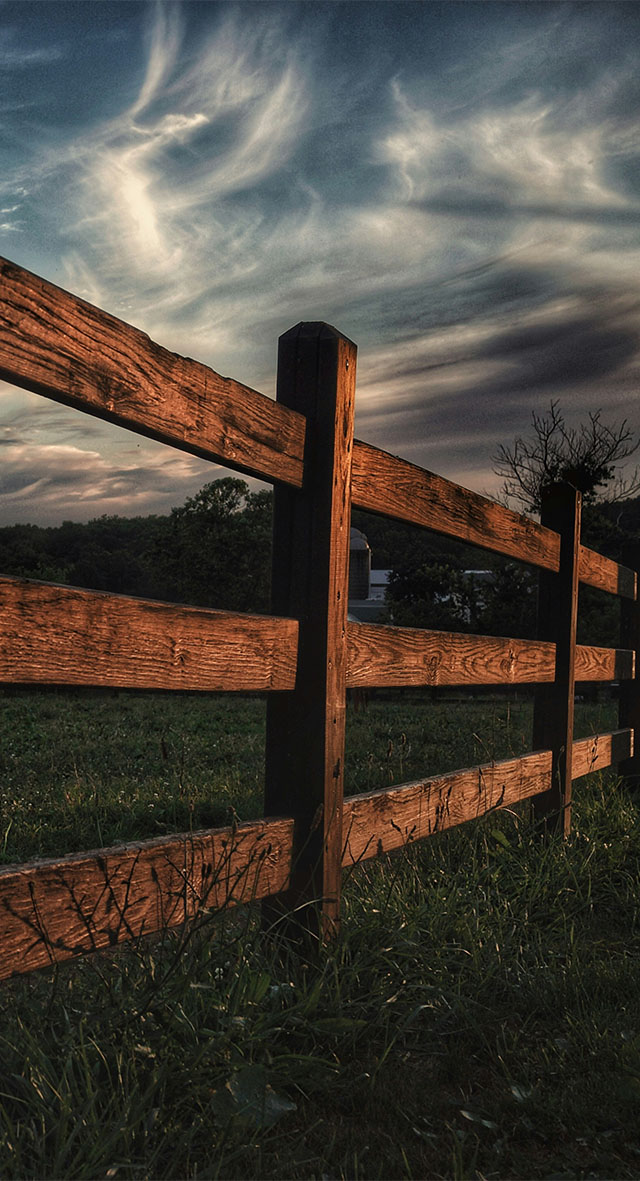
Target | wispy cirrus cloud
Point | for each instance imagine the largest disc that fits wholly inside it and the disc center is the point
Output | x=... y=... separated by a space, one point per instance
x=150 y=191
x=56 y=481
x=17 y=57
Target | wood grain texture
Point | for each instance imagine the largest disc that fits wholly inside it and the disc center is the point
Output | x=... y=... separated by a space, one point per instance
x=391 y=486
x=553 y=709
x=603 y=664
x=306 y=729
x=390 y=818
x=384 y=484
x=600 y=751
x=55 y=344
x=629 y=699
x=385 y=656
x=604 y=574
x=59 y=635
x=55 y=910
x=396 y=656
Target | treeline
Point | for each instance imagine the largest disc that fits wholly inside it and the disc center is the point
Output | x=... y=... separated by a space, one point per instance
x=215 y=551
x=440 y=584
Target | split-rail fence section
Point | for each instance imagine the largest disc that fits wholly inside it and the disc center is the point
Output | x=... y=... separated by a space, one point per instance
x=305 y=655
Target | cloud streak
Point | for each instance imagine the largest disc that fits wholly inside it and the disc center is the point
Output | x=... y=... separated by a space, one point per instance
x=153 y=186
x=57 y=464
x=78 y=484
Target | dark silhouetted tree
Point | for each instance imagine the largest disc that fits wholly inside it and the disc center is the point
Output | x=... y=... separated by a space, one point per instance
x=219 y=548
x=588 y=457
x=429 y=594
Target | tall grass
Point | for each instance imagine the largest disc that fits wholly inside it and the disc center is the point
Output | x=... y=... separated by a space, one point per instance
x=478 y=1016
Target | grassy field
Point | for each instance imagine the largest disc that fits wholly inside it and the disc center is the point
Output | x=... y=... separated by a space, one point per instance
x=478 y=1017
x=84 y=770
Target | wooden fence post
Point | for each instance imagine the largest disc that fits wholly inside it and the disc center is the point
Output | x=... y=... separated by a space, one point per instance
x=306 y=728
x=629 y=701
x=557 y=621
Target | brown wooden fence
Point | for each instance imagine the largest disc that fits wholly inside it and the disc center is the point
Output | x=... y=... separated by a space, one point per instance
x=305 y=655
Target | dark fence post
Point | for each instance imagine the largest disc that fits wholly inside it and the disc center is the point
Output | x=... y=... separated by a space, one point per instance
x=306 y=728
x=629 y=702
x=557 y=622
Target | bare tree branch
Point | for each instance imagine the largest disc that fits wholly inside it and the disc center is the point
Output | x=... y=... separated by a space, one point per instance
x=587 y=457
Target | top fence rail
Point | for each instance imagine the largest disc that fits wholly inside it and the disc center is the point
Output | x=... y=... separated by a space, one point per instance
x=55 y=344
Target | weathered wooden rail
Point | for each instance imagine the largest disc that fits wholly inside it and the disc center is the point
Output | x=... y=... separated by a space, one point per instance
x=304 y=655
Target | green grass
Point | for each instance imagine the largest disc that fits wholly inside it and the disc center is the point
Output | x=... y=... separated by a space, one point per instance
x=84 y=770
x=478 y=1016
x=79 y=771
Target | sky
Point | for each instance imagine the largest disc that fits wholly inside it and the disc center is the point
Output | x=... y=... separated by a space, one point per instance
x=454 y=186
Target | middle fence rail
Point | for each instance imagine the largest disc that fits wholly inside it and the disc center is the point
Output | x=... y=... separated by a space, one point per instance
x=305 y=655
